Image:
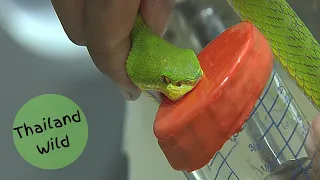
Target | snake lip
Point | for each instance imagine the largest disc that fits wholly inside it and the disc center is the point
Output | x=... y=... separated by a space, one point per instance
x=178 y=92
x=198 y=79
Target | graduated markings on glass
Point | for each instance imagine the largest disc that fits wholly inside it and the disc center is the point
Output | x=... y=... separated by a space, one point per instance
x=288 y=106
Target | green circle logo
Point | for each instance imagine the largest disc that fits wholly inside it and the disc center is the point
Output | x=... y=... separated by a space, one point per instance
x=50 y=131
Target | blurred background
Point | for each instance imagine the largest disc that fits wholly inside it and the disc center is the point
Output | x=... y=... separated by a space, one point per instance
x=37 y=57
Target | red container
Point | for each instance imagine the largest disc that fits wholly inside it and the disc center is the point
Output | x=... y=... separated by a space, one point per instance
x=237 y=65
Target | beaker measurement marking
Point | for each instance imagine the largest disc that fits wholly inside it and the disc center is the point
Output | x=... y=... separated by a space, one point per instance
x=286 y=125
x=266 y=167
x=302 y=145
x=285 y=94
x=282 y=91
x=236 y=135
x=255 y=168
x=261 y=98
x=274 y=103
x=298 y=162
x=224 y=161
x=283 y=115
x=209 y=165
x=284 y=101
x=256 y=146
x=266 y=132
x=287 y=142
x=304 y=129
x=293 y=110
x=234 y=139
x=287 y=98
x=230 y=175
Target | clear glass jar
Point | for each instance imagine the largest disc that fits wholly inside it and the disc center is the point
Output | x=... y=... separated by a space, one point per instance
x=271 y=144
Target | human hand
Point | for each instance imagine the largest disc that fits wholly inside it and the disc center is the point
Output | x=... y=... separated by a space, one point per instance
x=313 y=143
x=104 y=27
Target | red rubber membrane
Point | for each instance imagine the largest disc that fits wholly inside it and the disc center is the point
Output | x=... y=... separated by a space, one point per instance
x=237 y=65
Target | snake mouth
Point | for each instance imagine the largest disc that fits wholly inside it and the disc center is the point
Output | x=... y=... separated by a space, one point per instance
x=176 y=92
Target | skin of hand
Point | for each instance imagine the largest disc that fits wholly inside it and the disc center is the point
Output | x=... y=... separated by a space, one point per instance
x=104 y=27
x=313 y=144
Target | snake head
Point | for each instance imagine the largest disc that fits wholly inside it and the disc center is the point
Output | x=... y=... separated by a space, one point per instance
x=182 y=74
x=175 y=90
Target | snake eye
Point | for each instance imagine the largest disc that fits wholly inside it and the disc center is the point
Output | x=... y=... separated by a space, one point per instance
x=166 y=80
x=178 y=84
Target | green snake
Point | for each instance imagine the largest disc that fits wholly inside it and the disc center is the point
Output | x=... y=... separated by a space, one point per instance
x=157 y=65
x=292 y=43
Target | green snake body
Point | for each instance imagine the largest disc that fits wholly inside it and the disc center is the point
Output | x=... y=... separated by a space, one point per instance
x=292 y=43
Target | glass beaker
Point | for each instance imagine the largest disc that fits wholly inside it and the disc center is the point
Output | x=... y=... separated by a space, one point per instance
x=271 y=144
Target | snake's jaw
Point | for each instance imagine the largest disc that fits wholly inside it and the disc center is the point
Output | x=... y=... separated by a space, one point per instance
x=177 y=92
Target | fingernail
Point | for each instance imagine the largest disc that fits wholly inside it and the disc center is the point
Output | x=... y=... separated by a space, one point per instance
x=126 y=95
x=134 y=96
x=129 y=91
x=130 y=96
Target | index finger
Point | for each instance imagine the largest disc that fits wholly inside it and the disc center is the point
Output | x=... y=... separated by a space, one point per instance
x=108 y=27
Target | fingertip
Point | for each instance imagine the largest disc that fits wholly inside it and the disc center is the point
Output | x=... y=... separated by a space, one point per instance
x=316 y=129
x=71 y=14
x=156 y=14
x=129 y=96
x=130 y=93
x=316 y=123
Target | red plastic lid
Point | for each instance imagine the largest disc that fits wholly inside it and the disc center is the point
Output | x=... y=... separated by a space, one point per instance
x=237 y=66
